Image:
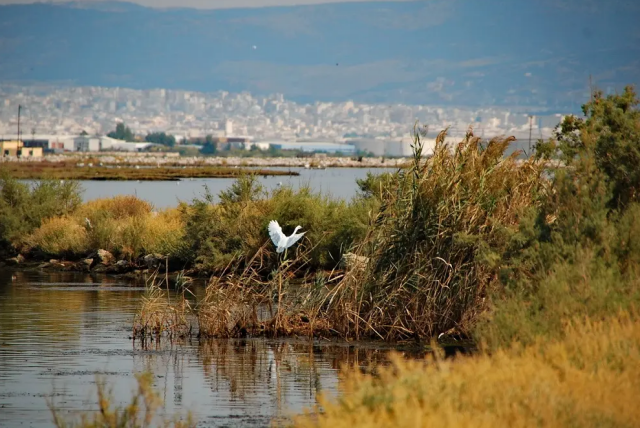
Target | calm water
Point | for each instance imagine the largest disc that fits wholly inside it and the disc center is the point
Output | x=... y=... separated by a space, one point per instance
x=339 y=182
x=59 y=330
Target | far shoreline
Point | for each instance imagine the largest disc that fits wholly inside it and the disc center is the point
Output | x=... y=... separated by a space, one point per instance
x=168 y=160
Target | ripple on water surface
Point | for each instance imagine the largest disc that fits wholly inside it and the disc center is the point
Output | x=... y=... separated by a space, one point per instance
x=58 y=331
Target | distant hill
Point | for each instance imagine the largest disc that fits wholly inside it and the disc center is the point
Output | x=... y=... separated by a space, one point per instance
x=449 y=52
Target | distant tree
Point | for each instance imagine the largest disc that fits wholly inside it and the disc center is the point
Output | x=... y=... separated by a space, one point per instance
x=122 y=132
x=161 y=138
x=209 y=147
x=83 y=133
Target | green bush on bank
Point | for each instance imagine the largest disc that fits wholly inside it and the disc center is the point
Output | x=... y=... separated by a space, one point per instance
x=236 y=228
x=582 y=243
x=24 y=207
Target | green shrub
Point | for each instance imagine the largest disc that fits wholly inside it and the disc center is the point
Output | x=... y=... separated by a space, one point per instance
x=236 y=228
x=581 y=244
x=583 y=287
x=24 y=207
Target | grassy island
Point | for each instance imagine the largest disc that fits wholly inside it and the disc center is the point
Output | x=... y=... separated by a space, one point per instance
x=71 y=171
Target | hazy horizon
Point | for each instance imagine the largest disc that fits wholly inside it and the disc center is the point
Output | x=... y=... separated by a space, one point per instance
x=207 y=4
x=435 y=52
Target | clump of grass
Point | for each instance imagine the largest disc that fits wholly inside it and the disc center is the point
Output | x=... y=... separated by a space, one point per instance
x=60 y=236
x=118 y=207
x=439 y=239
x=123 y=225
x=160 y=315
x=589 y=378
x=142 y=411
x=229 y=307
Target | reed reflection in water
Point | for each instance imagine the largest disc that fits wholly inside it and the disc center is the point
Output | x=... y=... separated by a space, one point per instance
x=59 y=330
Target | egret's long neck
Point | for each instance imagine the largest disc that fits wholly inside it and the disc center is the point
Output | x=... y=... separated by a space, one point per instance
x=296 y=230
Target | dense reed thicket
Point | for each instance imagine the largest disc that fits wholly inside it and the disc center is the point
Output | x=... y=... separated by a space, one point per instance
x=444 y=229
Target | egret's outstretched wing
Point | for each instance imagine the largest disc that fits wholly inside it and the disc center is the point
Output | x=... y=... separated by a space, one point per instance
x=275 y=232
x=294 y=238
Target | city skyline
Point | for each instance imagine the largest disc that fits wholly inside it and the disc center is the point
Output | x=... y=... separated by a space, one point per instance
x=97 y=110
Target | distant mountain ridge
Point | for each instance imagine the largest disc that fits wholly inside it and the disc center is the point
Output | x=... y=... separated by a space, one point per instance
x=448 y=52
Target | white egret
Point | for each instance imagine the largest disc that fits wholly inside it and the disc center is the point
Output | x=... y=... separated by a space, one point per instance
x=280 y=240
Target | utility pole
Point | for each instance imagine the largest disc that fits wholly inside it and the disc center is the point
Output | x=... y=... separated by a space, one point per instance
x=19 y=108
x=530 y=129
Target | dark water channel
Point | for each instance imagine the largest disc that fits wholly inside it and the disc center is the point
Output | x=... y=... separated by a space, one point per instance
x=59 y=330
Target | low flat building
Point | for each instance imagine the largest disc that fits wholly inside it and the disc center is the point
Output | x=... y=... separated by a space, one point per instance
x=16 y=148
x=9 y=148
x=87 y=144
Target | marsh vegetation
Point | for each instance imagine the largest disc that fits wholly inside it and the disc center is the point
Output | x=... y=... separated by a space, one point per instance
x=539 y=269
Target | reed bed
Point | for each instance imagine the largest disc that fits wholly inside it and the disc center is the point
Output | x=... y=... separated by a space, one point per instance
x=436 y=244
x=237 y=305
x=160 y=315
x=590 y=378
x=438 y=235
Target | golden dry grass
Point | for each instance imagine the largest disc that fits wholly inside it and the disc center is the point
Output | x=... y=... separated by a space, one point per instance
x=591 y=378
x=59 y=235
x=118 y=207
x=123 y=225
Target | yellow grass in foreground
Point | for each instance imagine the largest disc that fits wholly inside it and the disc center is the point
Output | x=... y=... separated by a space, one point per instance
x=591 y=378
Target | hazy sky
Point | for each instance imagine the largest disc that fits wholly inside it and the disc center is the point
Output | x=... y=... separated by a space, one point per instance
x=208 y=4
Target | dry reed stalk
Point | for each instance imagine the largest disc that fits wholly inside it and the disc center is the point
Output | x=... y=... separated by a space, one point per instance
x=159 y=316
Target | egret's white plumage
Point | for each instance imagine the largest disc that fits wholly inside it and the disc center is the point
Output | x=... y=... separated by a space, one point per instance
x=280 y=240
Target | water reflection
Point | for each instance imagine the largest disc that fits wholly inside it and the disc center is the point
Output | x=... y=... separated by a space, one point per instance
x=59 y=330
